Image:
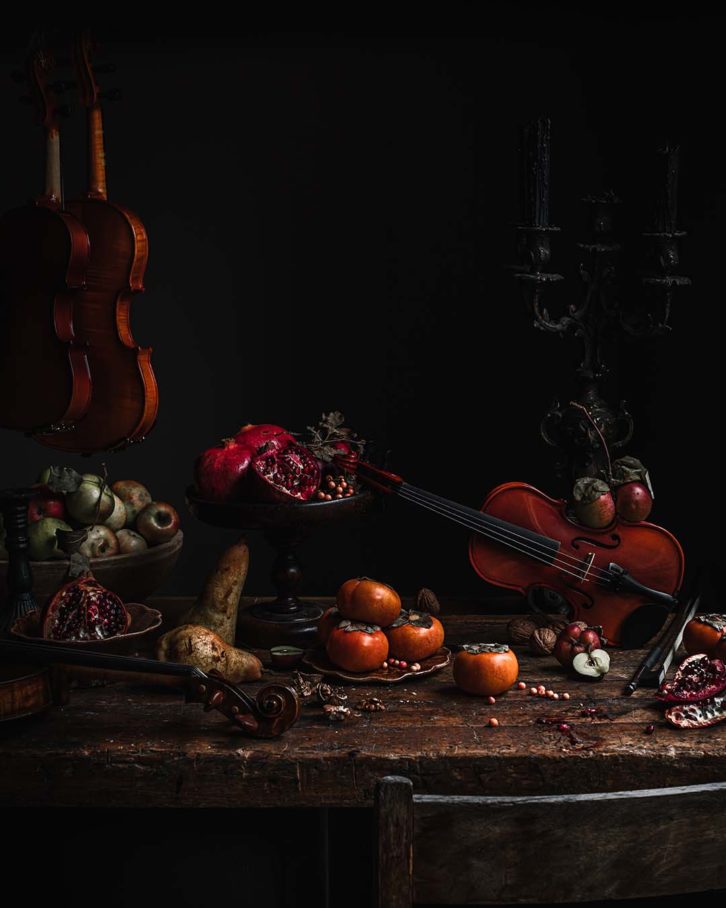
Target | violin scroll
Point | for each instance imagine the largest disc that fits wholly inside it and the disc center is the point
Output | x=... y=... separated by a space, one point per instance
x=268 y=715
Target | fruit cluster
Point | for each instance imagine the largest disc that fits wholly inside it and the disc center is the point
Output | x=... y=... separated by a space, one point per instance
x=267 y=463
x=120 y=518
x=575 y=645
x=367 y=629
x=628 y=494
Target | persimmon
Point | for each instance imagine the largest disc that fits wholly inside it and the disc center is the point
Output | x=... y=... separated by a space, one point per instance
x=330 y=618
x=357 y=647
x=414 y=635
x=703 y=634
x=368 y=601
x=486 y=669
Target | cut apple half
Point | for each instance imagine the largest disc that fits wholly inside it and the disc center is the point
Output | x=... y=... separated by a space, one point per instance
x=592 y=665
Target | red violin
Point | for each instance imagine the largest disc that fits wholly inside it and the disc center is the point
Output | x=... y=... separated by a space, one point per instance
x=624 y=577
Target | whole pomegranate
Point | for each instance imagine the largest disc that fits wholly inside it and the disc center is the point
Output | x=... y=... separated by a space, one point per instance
x=633 y=502
x=254 y=436
x=593 y=502
x=219 y=471
x=633 y=492
x=576 y=638
x=84 y=610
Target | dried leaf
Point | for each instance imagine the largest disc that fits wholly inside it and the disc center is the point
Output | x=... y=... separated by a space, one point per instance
x=476 y=649
x=63 y=480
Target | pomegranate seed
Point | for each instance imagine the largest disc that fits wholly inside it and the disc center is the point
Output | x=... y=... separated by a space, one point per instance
x=565 y=696
x=415 y=667
x=540 y=687
x=555 y=696
x=344 y=484
x=321 y=495
x=385 y=665
x=533 y=691
x=541 y=693
x=339 y=489
x=331 y=484
x=491 y=700
x=493 y=723
x=563 y=726
x=403 y=664
x=521 y=685
x=328 y=497
x=649 y=729
x=550 y=693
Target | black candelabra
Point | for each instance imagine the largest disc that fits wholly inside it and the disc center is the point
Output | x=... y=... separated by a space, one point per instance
x=587 y=429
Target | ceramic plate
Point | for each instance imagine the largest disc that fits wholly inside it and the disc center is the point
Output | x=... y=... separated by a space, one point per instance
x=317 y=659
x=144 y=620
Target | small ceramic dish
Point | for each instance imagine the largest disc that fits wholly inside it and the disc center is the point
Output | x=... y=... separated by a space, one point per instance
x=144 y=621
x=285 y=657
x=318 y=660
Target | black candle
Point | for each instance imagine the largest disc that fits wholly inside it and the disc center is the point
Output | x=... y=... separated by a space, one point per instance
x=666 y=212
x=535 y=178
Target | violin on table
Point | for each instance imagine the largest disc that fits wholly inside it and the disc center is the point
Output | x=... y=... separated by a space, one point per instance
x=625 y=577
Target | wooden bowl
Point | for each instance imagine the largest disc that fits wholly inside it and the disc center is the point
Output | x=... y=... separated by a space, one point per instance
x=132 y=577
x=144 y=620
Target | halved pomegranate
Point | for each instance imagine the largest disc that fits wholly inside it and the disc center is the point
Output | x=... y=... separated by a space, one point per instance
x=697 y=678
x=82 y=609
x=279 y=474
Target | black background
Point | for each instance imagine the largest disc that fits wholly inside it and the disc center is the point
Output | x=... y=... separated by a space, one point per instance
x=330 y=208
x=330 y=203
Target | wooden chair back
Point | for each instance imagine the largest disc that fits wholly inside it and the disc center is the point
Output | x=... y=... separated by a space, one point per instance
x=456 y=850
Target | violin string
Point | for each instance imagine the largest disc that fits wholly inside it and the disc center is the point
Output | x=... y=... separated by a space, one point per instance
x=479 y=520
x=467 y=523
x=474 y=520
x=556 y=562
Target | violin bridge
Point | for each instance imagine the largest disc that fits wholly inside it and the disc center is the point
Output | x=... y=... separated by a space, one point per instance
x=586 y=566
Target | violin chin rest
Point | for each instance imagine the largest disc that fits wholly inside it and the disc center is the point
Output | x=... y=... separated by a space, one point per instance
x=642 y=624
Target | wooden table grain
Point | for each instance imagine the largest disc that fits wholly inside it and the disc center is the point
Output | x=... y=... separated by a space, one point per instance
x=129 y=746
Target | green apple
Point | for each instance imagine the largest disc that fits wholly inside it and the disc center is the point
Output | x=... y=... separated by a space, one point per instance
x=43 y=543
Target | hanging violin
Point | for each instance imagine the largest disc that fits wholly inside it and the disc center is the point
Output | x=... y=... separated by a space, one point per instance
x=44 y=254
x=625 y=577
x=125 y=394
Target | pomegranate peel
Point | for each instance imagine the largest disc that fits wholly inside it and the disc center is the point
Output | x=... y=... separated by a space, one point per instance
x=697 y=678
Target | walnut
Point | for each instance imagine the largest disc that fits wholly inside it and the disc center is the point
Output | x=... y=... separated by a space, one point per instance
x=371 y=705
x=521 y=629
x=328 y=693
x=542 y=642
x=426 y=601
x=557 y=622
x=337 y=713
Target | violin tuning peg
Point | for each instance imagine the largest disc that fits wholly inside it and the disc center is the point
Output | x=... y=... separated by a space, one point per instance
x=105 y=68
x=17 y=76
x=111 y=94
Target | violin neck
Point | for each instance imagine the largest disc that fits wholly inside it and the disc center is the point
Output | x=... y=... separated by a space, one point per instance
x=96 y=154
x=507 y=534
x=52 y=195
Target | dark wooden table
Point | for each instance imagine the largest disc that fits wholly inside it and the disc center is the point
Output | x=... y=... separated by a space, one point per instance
x=131 y=746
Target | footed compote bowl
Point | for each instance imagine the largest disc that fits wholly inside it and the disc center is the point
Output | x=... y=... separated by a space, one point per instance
x=285 y=524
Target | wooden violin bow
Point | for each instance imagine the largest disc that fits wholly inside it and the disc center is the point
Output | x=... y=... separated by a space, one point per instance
x=267 y=715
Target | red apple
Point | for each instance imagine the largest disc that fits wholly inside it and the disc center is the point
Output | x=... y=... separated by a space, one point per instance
x=633 y=502
x=134 y=496
x=101 y=542
x=158 y=522
x=576 y=638
x=130 y=542
x=46 y=504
